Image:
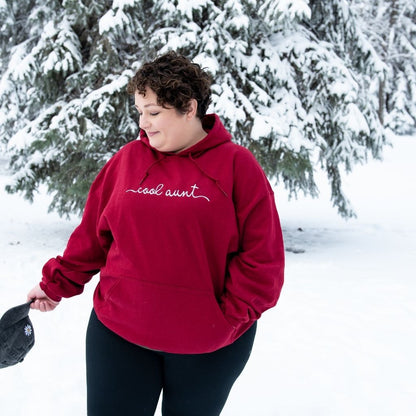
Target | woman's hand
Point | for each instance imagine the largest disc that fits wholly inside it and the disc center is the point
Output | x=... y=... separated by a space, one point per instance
x=40 y=300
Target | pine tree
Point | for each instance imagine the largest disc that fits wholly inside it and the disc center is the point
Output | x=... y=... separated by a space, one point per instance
x=341 y=64
x=232 y=39
x=68 y=86
x=290 y=84
x=390 y=25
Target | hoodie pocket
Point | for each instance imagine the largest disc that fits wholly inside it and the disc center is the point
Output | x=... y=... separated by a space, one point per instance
x=168 y=318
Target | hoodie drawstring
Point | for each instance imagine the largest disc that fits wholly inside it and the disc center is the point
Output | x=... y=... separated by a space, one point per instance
x=146 y=173
x=156 y=162
x=216 y=181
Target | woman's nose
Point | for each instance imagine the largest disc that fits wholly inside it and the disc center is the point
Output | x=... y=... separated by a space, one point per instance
x=143 y=122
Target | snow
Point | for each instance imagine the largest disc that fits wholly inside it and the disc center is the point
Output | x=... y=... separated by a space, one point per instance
x=110 y=88
x=287 y=8
x=186 y=7
x=294 y=9
x=25 y=137
x=340 y=342
x=106 y=22
x=20 y=64
x=208 y=63
x=354 y=120
x=239 y=22
x=121 y=4
x=112 y=19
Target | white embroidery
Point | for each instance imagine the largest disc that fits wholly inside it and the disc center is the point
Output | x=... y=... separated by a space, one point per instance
x=172 y=193
x=148 y=191
x=28 y=330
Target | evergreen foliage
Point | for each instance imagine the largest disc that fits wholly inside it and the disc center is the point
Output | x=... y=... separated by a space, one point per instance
x=293 y=82
x=390 y=25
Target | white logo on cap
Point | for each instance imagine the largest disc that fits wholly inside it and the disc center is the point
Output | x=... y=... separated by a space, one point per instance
x=28 y=330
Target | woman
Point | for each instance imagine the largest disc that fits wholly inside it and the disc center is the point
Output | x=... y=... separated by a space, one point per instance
x=182 y=227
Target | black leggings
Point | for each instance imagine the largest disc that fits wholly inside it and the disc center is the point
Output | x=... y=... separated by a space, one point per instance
x=126 y=379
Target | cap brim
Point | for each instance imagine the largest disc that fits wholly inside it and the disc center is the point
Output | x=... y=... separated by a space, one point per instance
x=14 y=315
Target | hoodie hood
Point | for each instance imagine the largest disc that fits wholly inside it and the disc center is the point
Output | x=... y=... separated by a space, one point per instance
x=217 y=135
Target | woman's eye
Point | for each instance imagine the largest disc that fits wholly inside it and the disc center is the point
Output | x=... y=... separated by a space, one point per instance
x=154 y=114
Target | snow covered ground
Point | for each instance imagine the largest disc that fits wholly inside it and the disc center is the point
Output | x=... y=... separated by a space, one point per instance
x=341 y=341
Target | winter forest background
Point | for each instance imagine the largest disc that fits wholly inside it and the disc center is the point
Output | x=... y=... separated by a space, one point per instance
x=308 y=86
x=315 y=89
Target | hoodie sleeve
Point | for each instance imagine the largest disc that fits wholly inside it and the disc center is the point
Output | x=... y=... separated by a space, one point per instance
x=256 y=271
x=86 y=250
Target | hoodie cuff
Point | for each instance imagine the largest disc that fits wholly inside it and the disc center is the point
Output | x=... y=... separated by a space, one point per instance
x=49 y=294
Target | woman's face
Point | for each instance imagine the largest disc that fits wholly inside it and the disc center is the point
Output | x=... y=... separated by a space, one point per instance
x=165 y=127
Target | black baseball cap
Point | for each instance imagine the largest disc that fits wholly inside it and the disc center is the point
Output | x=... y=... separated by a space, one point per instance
x=16 y=335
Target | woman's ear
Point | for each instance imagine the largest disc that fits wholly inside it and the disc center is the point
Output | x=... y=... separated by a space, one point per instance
x=192 y=108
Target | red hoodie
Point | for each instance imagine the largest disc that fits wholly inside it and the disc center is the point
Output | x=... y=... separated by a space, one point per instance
x=188 y=245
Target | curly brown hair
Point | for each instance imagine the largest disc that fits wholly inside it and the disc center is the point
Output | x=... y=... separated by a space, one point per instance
x=175 y=80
